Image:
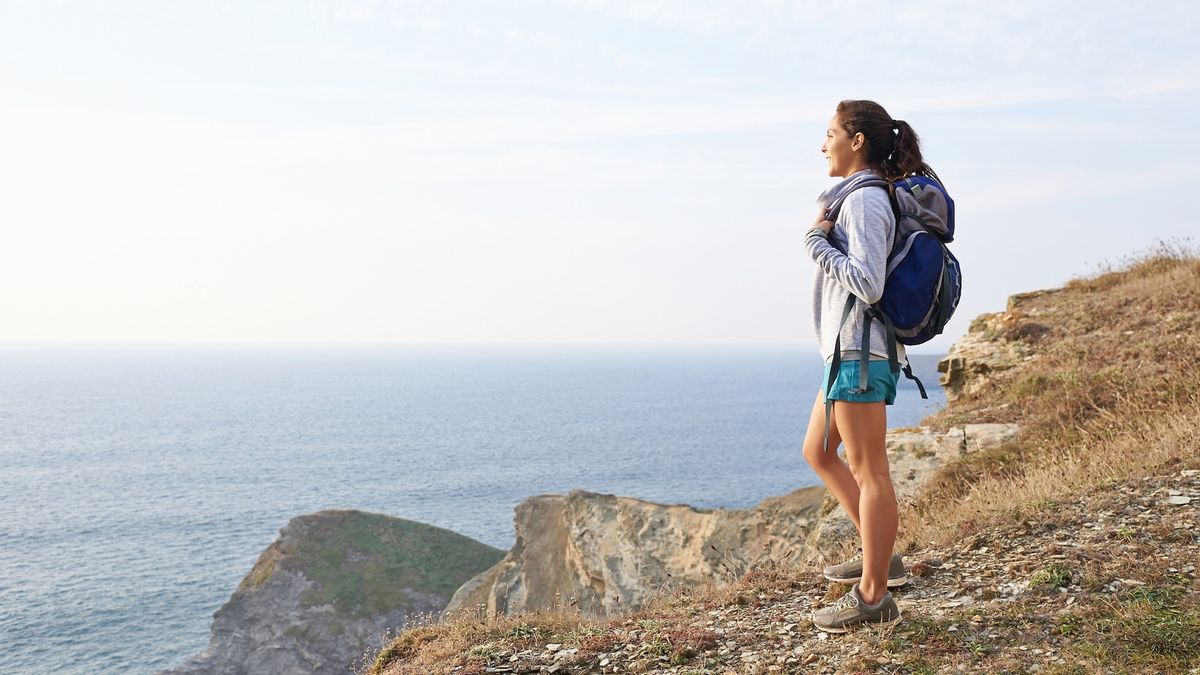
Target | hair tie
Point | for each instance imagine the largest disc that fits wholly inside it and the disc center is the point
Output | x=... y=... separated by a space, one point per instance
x=895 y=125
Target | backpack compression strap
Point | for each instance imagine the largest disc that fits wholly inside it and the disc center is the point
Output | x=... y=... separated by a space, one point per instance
x=893 y=360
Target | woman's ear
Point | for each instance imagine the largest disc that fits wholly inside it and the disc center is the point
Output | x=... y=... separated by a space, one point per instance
x=858 y=141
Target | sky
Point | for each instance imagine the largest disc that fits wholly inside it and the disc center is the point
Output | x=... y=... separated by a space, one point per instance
x=591 y=172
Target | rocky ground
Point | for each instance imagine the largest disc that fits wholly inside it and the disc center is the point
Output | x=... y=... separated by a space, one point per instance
x=1104 y=583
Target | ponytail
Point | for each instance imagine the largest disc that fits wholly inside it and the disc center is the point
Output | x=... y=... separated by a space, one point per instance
x=893 y=147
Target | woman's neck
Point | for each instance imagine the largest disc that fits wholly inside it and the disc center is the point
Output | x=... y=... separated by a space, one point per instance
x=851 y=172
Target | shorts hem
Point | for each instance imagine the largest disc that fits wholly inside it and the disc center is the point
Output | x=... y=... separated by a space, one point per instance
x=881 y=378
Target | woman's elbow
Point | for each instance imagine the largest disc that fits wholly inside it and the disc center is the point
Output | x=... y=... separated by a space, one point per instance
x=870 y=291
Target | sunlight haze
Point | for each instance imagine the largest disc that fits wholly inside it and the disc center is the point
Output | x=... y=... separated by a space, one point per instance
x=592 y=172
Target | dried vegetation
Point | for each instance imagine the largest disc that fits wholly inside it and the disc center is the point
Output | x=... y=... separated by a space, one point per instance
x=1071 y=549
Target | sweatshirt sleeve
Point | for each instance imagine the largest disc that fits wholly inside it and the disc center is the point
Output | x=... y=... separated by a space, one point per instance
x=866 y=219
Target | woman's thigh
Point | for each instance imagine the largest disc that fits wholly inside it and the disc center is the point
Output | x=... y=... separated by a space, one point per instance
x=863 y=427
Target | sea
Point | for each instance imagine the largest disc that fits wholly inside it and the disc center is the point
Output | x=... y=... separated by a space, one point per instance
x=139 y=485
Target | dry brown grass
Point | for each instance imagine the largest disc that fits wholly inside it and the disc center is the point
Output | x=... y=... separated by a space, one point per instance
x=1114 y=391
x=467 y=638
x=437 y=645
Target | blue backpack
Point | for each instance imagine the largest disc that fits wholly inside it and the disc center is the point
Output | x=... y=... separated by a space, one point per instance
x=923 y=283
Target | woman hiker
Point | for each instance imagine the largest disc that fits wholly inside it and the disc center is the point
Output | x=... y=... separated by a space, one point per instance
x=862 y=141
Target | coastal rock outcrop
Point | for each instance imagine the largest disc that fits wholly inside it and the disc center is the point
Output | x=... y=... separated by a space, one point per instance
x=336 y=579
x=606 y=553
x=331 y=583
x=992 y=343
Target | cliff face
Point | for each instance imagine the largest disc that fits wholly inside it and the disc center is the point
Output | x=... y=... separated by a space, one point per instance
x=333 y=581
x=1054 y=550
x=608 y=554
x=988 y=347
x=604 y=552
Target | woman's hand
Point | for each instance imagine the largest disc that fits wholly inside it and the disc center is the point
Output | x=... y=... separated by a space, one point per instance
x=821 y=222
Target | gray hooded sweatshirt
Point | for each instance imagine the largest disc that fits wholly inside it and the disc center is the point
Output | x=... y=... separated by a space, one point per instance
x=864 y=229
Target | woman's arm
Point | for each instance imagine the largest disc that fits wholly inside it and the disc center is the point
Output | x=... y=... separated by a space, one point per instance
x=864 y=217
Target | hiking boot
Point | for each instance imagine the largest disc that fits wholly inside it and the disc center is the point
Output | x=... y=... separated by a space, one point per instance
x=850 y=612
x=851 y=571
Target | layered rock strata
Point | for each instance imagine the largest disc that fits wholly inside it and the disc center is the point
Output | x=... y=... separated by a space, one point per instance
x=605 y=554
x=986 y=347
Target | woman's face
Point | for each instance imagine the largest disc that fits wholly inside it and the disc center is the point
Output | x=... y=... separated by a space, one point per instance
x=843 y=153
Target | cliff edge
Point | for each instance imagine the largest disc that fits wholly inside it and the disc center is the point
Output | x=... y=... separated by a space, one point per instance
x=1067 y=545
x=329 y=584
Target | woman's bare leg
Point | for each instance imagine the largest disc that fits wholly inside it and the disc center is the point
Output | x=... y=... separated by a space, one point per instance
x=829 y=467
x=863 y=427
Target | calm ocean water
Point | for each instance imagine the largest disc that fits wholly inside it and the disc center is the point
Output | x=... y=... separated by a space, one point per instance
x=138 y=487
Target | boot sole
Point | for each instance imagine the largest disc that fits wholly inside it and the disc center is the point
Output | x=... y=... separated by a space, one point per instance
x=891 y=582
x=833 y=629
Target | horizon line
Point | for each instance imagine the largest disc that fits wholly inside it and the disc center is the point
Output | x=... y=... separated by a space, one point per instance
x=156 y=345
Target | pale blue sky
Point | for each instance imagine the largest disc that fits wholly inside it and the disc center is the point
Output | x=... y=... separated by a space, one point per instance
x=528 y=172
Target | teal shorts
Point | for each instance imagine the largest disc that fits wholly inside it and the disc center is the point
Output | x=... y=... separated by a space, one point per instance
x=879 y=376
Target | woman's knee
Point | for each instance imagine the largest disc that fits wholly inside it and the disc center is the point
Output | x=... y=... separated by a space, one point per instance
x=870 y=474
x=816 y=456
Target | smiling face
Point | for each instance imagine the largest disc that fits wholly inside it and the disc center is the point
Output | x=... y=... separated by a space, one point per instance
x=844 y=154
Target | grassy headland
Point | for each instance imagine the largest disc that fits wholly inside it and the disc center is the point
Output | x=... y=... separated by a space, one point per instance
x=1070 y=549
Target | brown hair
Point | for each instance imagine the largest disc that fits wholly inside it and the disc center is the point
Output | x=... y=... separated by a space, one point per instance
x=893 y=148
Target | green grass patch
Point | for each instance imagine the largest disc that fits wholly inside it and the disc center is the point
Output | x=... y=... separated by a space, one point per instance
x=1068 y=624
x=1051 y=576
x=363 y=562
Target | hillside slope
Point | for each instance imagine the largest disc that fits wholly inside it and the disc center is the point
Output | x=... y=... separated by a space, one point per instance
x=1069 y=548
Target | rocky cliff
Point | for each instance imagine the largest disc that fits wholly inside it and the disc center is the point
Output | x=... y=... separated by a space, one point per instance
x=1070 y=547
x=335 y=580
x=328 y=586
x=607 y=554
x=993 y=343
x=603 y=552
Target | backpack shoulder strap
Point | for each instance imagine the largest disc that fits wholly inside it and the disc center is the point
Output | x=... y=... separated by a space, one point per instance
x=836 y=206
